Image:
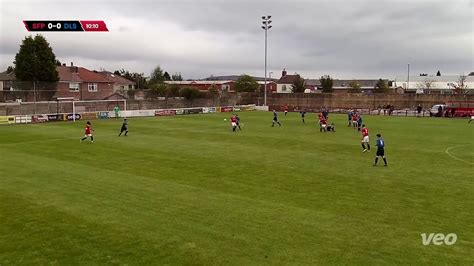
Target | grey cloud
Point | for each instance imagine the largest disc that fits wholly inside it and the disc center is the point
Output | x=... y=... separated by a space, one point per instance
x=366 y=38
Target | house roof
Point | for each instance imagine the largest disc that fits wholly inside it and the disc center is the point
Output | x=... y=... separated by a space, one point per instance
x=4 y=76
x=119 y=80
x=115 y=96
x=287 y=79
x=447 y=78
x=79 y=74
x=312 y=82
x=236 y=77
x=263 y=82
x=200 y=82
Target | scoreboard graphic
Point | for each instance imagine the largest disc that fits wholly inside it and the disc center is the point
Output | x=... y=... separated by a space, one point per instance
x=65 y=25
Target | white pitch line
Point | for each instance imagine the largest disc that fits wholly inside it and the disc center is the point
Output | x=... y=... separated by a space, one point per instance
x=47 y=140
x=454 y=157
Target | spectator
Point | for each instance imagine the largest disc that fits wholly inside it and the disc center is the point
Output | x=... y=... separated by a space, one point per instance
x=418 y=110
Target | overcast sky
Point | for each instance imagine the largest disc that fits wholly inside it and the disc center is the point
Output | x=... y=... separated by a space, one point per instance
x=346 y=39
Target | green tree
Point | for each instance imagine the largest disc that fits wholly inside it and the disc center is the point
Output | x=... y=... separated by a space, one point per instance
x=190 y=93
x=166 y=76
x=354 y=86
x=157 y=76
x=381 y=86
x=173 y=90
x=177 y=77
x=10 y=69
x=36 y=62
x=246 y=83
x=213 y=91
x=156 y=90
x=299 y=84
x=326 y=83
x=138 y=78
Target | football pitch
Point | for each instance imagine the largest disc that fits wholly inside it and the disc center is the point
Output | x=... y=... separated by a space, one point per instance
x=187 y=190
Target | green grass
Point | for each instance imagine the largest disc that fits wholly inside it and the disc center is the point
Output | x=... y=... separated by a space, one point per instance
x=186 y=190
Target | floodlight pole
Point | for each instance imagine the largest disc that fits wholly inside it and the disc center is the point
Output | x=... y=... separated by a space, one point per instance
x=408 y=77
x=266 y=26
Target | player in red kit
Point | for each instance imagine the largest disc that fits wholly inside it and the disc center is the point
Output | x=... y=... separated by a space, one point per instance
x=286 y=110
x=365 y=139
x=355 y=120
x=88 y=132
x=322 y=123
x=233 y=122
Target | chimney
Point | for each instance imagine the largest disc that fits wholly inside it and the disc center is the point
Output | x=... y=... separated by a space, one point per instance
x=64 y=64
x=283 y=73
x=72 y=64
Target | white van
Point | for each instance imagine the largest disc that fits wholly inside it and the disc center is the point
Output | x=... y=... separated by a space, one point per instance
x=434 y=109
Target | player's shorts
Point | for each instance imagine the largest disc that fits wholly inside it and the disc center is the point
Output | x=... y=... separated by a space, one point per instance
x=87 y=135
x=234 y=124
x=124 y=129
x=324 y=125
x=380 y=152
x=366 y=139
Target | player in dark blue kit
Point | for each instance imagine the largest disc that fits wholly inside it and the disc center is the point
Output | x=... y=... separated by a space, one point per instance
x=380 y=143
x=238 y=121
x=275 y=119
x=124 y=128
x=303 y=113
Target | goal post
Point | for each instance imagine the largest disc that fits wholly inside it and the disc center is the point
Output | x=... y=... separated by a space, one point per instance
x=93 y=105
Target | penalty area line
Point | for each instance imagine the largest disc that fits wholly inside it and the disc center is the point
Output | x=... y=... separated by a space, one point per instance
x=454 y=157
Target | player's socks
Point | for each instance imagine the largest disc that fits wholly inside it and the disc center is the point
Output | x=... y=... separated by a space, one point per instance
x=385 y=161
x=363 y=146
x=376 y=160
x=83 y=138
x=92 y=138
x=368 y=146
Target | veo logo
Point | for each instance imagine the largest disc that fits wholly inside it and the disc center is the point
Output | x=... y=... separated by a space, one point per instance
x=439 y=239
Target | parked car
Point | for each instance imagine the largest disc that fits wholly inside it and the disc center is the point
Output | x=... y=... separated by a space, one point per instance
x=435 y=109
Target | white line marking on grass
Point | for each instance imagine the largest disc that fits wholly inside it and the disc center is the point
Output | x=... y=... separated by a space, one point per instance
x=49 y=140
x=454 y=157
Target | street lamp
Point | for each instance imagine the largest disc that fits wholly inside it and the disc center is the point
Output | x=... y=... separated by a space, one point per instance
x=266 y=26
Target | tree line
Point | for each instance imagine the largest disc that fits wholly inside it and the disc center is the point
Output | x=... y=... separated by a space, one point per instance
x=36 y=61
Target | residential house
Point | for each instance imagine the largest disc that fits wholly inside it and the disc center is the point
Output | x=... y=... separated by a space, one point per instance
x=6 y=80
x=120 y=84
x=284 y=84
x=271 y=86
x=82 y=84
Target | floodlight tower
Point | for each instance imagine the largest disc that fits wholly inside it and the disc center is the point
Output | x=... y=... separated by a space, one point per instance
x=266 y=26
